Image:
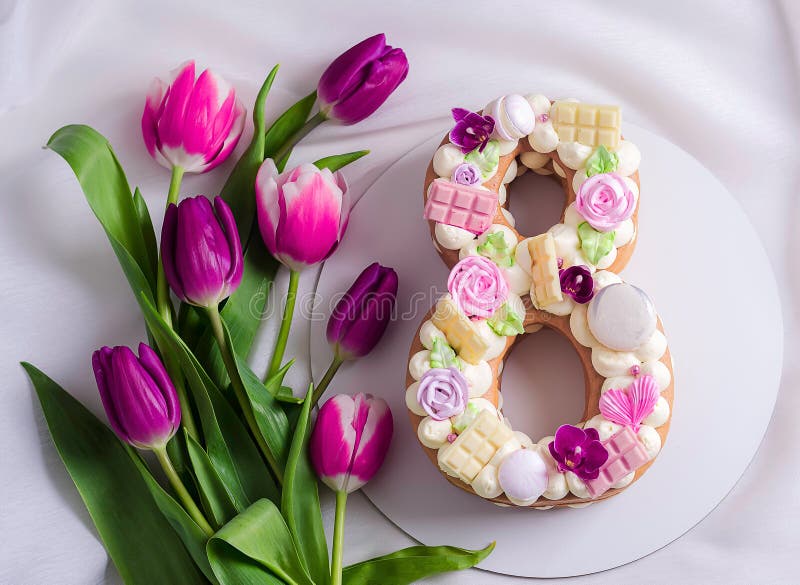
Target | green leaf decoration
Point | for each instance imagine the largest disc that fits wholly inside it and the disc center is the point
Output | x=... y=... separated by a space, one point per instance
x=496 y=249
x=601 y=161
x=107 y=191
x=239 y=191
x=193 y=537
x=488 y=160
x=228 y=443
x=442 y=355
x=287 y=126
x=300 y=501
x=260 y=535
x=216 y=502
x=595 y=244
x=463 y=420
x=339 y=161
x=506 y=321
x=140 y=541
x=412 y=564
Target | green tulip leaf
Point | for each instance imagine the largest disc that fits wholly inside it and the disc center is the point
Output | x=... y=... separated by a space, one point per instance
x=215 y=499
x=339 y=161
x=146 y=226
x=239 y=190
x=506 y=321
x=595 y=245
x=300 y=501
x=260 y=534
x=140 y=541
x=496 y=249
x=412 y=564
x=107 y=191
x=227 y=441
x=601 y=161
x=270 y=416
x=193 y=537
x=286 y=126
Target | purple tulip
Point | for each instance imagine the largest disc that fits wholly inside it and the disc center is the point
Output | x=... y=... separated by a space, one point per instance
x=579 y=451
x=138 y=396
x=192 y=122
x=361 y=316
x=350 y=440
x=302 y=213
x=201 y=251
x=361 y=79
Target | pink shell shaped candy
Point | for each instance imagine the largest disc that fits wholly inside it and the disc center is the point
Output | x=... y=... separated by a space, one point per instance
x=477 y=286
x=523 y=476
x=629 y=407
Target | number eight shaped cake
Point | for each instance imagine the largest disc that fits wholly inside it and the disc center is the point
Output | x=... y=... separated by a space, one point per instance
x=504 y=284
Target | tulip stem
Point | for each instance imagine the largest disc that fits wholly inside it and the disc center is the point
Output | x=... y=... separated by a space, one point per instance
x=165 y=309
x=180 y=489
x=239 y=390
x=319 y=390
x=338 y=538
x=301 y=133
x=286 y=323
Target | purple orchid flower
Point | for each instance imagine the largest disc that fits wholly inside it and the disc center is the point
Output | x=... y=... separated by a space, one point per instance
x=579 y=451
x=577 y=282
x=471 y=130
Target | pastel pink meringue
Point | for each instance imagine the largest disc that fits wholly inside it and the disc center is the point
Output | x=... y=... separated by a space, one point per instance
x=477 y=286
x=513 y=115
x=605 y=201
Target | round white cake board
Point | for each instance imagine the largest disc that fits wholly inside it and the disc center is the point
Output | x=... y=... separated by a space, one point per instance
x=702 y=264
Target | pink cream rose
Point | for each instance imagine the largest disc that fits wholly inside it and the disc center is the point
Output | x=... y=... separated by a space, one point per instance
x=477 y=286
x=605 y=200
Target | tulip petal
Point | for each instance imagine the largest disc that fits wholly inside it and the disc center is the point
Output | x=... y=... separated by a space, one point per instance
x=202 y=252
x=141 y=410
x=346 y=203
x=168 y=236
x=170 y=125
x=101 y=364
x=201 y=111
x=153 y=107
x=310 y=220
x=347 y=308
x=345 y=71
x=231 y=138
x=152 y=364
x=267 y=204
x=228 y=223
x=381 y=79
x=333 y=441
x=375 y=436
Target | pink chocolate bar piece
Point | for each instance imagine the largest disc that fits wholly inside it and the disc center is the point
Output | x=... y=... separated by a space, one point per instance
x=460 y=205
x=625 y=454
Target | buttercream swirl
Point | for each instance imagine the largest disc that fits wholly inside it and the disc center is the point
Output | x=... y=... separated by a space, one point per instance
x=443 y=392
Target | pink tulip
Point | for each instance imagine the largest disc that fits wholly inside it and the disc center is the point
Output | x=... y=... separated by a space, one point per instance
x=350 y=440
x=192 y=122
x=302 y=213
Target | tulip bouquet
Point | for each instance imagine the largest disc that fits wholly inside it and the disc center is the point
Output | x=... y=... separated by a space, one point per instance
x=207 y=472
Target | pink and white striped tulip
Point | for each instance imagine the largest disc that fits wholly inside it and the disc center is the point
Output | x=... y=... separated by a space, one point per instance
x=302 y=213
x=350 y=440
x=192 y=122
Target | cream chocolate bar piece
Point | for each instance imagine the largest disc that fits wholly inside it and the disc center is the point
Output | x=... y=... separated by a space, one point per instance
x=474 y=448
x=460 y=332
x=588 y=124
x=546 y=287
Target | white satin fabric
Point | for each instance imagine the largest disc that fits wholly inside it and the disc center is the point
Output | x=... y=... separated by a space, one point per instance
x=718 y=78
